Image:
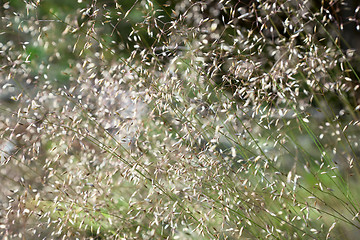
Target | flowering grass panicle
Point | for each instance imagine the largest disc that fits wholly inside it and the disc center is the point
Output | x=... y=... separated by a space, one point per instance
x=178 y=120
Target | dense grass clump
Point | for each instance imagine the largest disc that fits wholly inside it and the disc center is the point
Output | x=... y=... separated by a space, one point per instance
x=179 y=120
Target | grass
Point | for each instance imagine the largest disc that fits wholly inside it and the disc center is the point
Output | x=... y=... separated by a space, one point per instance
x=211 y=121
